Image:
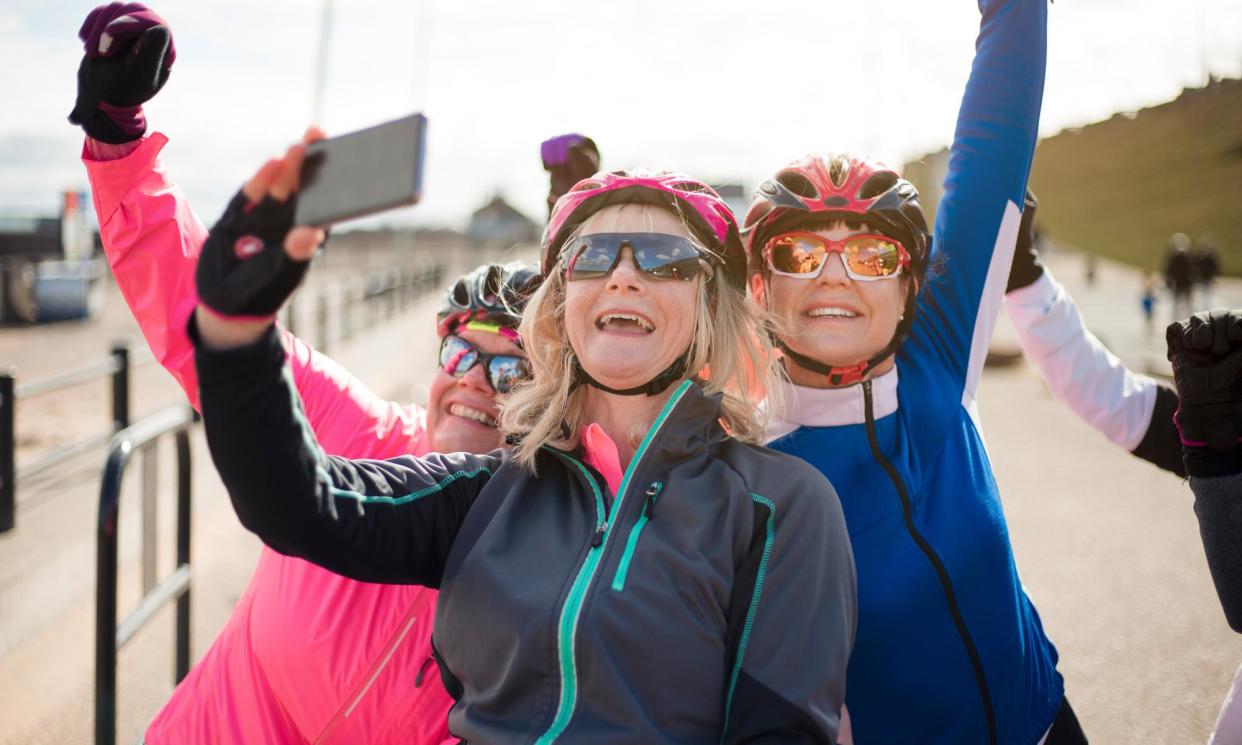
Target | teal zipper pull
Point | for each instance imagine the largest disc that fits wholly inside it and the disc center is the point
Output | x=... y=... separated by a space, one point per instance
x=597 y=539
x=623 y=567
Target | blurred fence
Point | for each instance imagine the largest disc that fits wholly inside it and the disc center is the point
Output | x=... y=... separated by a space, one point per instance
x=333 y=315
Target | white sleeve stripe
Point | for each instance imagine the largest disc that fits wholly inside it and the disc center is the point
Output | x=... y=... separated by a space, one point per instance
x=1080 y=371
x=991 y=297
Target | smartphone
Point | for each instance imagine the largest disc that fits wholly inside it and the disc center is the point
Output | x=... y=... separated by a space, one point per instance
x=363 y=172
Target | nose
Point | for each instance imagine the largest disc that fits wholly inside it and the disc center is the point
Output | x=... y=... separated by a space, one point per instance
x=626 y=276
x=476 y=378
x=833 y=271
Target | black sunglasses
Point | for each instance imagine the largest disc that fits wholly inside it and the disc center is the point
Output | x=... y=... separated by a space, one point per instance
x=504 y=371
x=658 y=255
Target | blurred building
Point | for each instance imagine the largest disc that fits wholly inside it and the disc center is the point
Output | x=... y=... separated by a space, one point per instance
x=50 y=266
x=500 y=222
x=736 y=196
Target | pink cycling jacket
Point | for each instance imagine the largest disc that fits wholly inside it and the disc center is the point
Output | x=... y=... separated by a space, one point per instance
x=307 y=656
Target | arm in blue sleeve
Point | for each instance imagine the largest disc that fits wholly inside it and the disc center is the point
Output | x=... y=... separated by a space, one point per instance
x=388 y=521
x=977 y=221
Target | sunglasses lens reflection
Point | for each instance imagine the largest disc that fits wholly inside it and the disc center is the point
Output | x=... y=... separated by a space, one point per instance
x=504 y=371
x=658 y=255
x=796 y=255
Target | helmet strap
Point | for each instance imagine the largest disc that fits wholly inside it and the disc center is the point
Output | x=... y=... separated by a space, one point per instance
x=655 y=386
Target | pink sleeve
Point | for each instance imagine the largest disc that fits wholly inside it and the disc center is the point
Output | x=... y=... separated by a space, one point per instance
x=152 y=239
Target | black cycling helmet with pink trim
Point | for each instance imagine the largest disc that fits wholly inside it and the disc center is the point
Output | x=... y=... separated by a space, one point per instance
x=848 y=187
x=709 y=217
x=491 y=292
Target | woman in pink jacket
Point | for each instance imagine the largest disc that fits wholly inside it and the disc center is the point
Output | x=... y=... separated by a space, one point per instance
x=306 y=656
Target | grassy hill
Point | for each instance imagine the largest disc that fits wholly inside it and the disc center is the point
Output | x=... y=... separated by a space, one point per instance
x=1121 y=187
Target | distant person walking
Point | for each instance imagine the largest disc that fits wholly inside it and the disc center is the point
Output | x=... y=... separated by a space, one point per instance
x=1148 y=301
x=1206 y=263
x=1179 y=274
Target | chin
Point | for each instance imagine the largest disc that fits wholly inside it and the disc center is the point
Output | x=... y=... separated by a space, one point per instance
x=622 y=374
x=834 y=355
x=456 y=441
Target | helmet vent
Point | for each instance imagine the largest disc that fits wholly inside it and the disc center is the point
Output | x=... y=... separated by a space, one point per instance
x=839 y=170
x=461 y=294
x=877 y=185
x=798 y=184
x=692 y=187
x=491 y=286
x=836 y=201
x=587 y=185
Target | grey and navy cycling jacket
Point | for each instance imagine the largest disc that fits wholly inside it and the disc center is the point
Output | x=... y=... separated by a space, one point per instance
x=712 y=599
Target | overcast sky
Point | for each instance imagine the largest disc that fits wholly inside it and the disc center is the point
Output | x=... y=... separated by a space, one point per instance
x=722 y=89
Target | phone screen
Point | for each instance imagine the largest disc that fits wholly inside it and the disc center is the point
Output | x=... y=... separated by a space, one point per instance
x=363 y=172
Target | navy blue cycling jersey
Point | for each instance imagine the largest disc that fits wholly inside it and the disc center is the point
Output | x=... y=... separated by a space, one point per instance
x=949 y=649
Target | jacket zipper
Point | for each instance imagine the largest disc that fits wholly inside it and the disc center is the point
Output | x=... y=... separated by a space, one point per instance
x=623 y=568
x=976 y=660
x=567 y=627
x=347 y=709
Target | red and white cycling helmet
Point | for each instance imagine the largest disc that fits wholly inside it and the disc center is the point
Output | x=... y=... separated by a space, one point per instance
x=708 y=215
x=845 y=186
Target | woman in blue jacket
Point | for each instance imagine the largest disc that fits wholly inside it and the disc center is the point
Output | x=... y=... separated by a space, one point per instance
x=886 y=327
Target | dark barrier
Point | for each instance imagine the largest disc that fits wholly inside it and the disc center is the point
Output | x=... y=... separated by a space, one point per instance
x=117 y=365
x=110 y=635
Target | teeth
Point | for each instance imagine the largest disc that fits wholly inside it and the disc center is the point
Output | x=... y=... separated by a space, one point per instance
x=832 y=312
x=469 y=413
x=642 y=322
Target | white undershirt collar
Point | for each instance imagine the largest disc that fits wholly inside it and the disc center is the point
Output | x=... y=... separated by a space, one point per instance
x=832 y=407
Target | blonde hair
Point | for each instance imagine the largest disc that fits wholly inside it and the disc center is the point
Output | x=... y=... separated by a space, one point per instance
x=729 y=349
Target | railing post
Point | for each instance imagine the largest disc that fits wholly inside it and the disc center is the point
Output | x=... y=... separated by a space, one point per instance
x=347 y=301
x=321 y=321
x=105 y=597
x=120 y=386
x=8 y=466
x=183 y=553
x=150 y=515
x=291 y=315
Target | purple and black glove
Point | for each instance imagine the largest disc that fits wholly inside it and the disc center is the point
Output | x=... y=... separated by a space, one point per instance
x=129 y=53
x=1206 y=352
x=569 y=159
x=1025 y=268
x=243 y=271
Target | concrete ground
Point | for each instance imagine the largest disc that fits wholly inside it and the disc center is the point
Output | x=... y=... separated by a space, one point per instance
x=1107 y=546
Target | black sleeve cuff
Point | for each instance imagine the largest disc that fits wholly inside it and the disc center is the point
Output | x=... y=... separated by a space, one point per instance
x=1205 y=463
x=1161 y=444
x=227 y=364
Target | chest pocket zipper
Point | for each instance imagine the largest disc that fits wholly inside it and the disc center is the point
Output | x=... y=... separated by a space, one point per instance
x=623 y=568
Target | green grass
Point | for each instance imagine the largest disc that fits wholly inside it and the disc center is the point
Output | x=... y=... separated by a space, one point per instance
x=1121 y=187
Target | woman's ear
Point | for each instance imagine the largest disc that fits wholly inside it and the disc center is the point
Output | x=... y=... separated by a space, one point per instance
x=758 y=289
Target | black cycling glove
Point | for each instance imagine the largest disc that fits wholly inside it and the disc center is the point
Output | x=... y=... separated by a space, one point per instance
x=1206 y=352
x=1025 y=268
x=243 y=269
x=129 y=54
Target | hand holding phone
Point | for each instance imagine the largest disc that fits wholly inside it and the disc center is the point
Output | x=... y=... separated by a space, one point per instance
x=364 y=172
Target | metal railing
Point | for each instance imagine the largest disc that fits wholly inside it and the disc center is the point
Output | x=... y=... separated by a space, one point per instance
x=381 y=295
x=118 y=365
x=111 y=635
